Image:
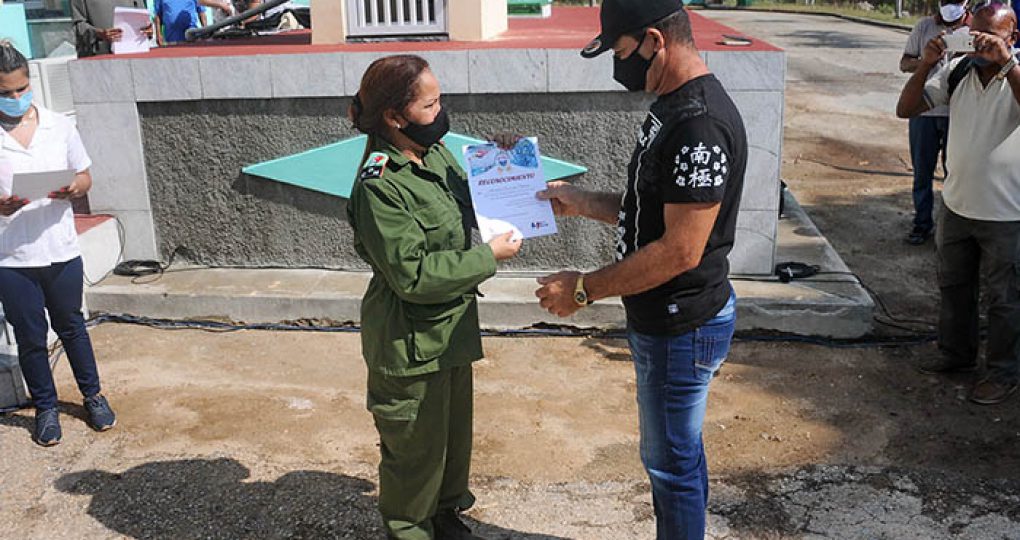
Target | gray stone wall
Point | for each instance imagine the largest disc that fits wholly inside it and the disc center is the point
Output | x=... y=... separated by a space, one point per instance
x=203 y=204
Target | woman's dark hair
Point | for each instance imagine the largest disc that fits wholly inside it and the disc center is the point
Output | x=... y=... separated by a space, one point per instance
x=11 y=59
x=389 y=83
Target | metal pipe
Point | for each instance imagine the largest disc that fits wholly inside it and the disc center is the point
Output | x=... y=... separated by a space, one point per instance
x=193 y=34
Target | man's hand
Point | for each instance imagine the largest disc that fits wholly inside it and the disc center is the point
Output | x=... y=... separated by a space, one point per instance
x=147 y=31
x=10 y=205
x=72 y=191
x=992 y=48
x=934 y=51
x=556 y=293
x=567 y=199
x=109 y=34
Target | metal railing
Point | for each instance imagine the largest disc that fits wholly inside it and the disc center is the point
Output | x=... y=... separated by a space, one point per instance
x=368 y=18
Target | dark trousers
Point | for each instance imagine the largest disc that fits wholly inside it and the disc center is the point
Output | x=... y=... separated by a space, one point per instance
x=966 y=249
x=28 y=294
x=927 y=140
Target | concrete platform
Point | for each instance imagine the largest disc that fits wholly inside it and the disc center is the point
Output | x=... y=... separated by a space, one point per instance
x=820 y=307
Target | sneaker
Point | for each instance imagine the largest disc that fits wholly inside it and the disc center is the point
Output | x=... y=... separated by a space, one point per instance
x=918 y=236
x=990 y=392
x=47 y=427
x=448 y=526
x=940 y=364
x=101 y=416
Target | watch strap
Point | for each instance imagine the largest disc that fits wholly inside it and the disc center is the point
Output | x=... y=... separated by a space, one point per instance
x=1006 y=68
x=580 y=294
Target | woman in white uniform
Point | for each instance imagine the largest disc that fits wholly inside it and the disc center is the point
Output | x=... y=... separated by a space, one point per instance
x=40 y=262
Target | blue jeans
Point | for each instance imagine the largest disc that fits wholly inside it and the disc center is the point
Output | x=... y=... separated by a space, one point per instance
x=927 y=139
x=28 y=294
x=673 y=373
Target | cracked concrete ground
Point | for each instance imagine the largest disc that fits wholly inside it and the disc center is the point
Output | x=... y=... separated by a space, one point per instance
x=264 y=435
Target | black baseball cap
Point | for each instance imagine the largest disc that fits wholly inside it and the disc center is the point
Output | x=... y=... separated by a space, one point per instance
x=621 y=16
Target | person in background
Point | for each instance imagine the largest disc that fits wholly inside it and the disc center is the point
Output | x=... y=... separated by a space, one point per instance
x=40 y=263
x=411 y=214
x=175 y=17
x=92 y=21
x=978 y=235
x=928 y=131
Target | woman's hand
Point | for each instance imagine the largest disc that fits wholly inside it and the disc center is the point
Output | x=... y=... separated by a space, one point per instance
x=78 y=188
x=505 y=141
x=504 y=247
x=10 y=205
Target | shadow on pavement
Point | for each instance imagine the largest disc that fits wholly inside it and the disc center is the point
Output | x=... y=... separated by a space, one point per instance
x=210 y=498
x=832 y=40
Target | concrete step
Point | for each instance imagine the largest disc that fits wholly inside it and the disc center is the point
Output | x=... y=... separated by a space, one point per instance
x=841 y=310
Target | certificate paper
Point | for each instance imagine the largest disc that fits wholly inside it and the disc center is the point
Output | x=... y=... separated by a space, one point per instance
x=38 y=185
x=131 y=21
x=504 y=184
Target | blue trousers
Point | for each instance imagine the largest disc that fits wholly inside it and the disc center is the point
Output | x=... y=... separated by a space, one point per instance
x=673 y=374
x=927 y=139
x=28 y=294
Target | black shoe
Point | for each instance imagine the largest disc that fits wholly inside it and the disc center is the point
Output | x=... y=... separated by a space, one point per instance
x=448 y=526
x=101 y=416
x=940 y=364
x=918 y=236
x=991 y=392
x=47 y=427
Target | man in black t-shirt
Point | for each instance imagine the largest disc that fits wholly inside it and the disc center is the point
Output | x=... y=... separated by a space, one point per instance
x=676 y=225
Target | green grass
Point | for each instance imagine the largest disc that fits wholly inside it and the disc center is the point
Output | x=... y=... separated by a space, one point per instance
x=882 y=12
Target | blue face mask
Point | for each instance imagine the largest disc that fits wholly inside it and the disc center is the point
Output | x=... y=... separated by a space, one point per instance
x=980 y=62
x=16 y=107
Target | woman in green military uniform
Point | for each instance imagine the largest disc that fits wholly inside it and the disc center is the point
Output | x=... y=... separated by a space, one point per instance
x=411 y=214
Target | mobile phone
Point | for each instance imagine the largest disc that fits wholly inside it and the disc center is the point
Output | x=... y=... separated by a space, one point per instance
x=959 y=41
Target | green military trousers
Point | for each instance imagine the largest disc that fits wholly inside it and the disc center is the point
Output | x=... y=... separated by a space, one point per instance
x=424 y=424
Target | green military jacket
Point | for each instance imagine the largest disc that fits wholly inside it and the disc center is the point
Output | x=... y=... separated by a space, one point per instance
x=412 y=224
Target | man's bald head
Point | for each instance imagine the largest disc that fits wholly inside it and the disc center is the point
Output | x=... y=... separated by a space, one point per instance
x=995 y=18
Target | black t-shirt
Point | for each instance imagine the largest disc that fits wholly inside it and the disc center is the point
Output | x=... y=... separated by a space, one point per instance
x=692 y=149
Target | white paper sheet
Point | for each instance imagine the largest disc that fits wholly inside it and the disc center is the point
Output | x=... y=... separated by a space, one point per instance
x=38 y=185
x=504 y=184
x=131 y=21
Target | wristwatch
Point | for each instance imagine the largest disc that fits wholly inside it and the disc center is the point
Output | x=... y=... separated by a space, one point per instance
x=1006 y=68
x=581 y=295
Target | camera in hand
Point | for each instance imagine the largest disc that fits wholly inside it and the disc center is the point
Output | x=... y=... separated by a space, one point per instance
x=960 y=40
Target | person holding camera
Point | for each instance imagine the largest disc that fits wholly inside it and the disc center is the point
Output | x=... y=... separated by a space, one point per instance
x=928 y=130
x=978 y=229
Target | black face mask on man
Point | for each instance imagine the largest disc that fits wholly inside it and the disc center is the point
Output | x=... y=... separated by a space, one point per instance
x=632 y=72
x=428 y=134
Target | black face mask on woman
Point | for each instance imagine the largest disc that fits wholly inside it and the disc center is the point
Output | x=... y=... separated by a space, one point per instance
x=632 y=73
x=428 y=134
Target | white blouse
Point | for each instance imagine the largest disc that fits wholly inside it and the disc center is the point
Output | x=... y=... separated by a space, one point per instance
x=42 y=232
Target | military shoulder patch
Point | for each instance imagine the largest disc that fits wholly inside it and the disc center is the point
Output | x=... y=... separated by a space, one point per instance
x=374 y=166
